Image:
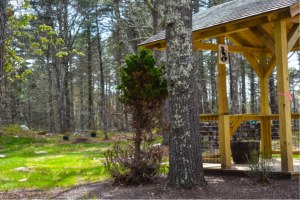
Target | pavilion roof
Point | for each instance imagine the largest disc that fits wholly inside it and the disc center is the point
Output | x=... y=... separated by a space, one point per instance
x=232 y=11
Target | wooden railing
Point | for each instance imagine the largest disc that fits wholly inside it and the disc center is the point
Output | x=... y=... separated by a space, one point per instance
x=236 y=120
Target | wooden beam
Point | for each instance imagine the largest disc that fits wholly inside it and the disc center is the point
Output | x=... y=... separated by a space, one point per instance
x=224 y=130
x=293 y=36
x=254 y=64
x=159 y=45
x=270 y=67
x=224 y=141
x=235 y=125
x=236 y=39
x=231 y=48
x=209 y=117
x=265 y=37
x=283 y=96
x=295 y=9
x=294 y=20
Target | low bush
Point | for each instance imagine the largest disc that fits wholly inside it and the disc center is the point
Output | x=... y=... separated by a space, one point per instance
x=260 y=168
x=125 y=169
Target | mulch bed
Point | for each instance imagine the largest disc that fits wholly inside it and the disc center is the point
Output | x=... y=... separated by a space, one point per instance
x=218 y=187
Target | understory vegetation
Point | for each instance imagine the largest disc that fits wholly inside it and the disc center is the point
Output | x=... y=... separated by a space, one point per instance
x=38 y=161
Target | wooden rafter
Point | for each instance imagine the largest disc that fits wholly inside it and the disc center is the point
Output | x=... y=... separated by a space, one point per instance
x=293 y=36
x=265 y=37
x=295 y=9
x=254 y=64
x=235 y=125
x=231 y=48
x=270 y=67
x=294 y=20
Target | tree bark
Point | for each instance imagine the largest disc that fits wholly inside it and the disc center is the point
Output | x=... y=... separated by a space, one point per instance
x=273 y=94
x=89 y=73
x=213 y=82
x=102 y=89
x=252 y=91
x=119 y=56
x=234 y=94
x=3 y=23
x=186 y=168
x=243 y=75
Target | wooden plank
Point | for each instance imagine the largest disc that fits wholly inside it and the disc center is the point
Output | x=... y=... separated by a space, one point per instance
x=246 y=117
x=283 y=97
x=293 y=36
x=236 y=39
x=235 y=125
x=295 y=116
x=295 y=9
x=208 y=117
x=224 y=141
x=222 y=88
x=158 y=45
x=270 y=67
x=294 y=20
x=276 y=116
x=231 y=48
x=294 y=152
x=265 y=131
x=265 y=37
x=254 y=64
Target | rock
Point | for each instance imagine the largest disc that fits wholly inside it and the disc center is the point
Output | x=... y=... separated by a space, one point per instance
x=21 y=169
x=2 y=156
x=24 y=127
x=41 y=152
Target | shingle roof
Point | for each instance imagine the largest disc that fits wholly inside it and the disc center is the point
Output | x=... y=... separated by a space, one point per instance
x=228 y=12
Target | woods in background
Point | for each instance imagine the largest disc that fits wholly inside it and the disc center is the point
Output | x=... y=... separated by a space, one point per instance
x=75 y=63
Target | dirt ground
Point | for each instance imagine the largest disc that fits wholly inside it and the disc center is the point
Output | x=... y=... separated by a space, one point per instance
x=219 y=187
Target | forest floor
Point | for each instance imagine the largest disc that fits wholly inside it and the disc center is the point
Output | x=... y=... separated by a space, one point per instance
x=36 y=166
x=218 y=187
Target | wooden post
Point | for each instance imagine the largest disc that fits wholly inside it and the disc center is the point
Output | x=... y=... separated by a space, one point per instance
x=283 y=96
x=265 y=125
x=222 y=89
x=224 y=129
x=224 y=144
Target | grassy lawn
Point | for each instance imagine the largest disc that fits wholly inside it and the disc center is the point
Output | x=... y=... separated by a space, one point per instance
x=29 y=161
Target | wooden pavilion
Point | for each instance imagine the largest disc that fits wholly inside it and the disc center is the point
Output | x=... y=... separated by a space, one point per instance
x=264 y=32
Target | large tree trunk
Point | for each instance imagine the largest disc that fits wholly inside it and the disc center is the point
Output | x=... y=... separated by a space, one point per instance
x=3 y=22
x=243 y=75
x=213 y=82
x=49 y=22
x=90 y=80
x=273 y=94
x=186 y=168
x=252 y=91
x=103 y=109
x=234 y=94
x=58 y=72
x=119 y=57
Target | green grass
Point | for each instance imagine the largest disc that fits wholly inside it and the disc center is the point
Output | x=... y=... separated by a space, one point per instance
x=63 y=165
x=278 y=156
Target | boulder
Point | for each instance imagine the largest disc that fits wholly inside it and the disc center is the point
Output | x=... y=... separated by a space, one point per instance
x=24 y=127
